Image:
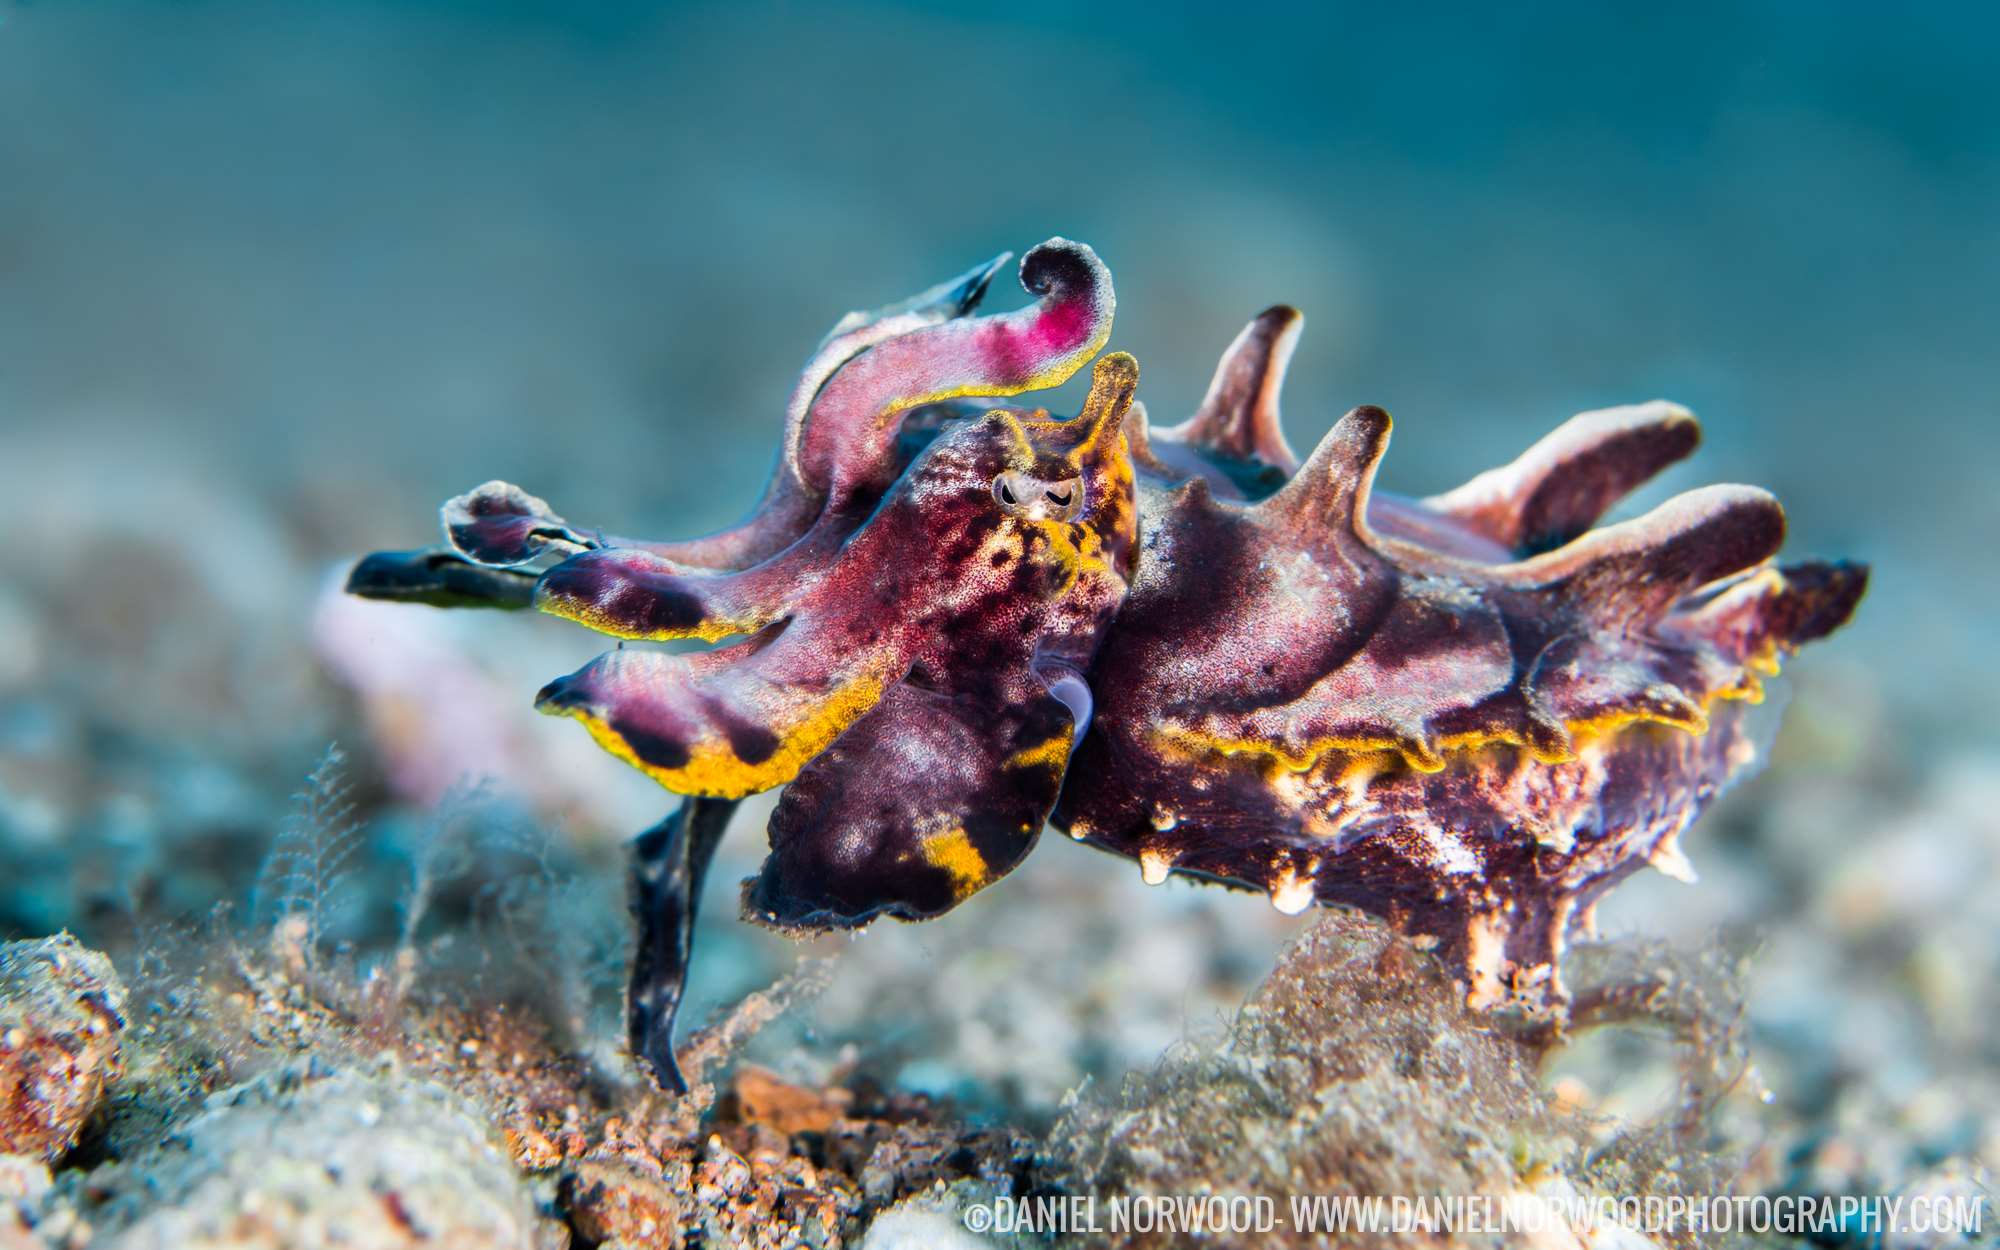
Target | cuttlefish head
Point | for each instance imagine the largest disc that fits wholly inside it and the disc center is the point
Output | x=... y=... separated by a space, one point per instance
x=988 y=573
x=1022 y=508
x=1004 y=554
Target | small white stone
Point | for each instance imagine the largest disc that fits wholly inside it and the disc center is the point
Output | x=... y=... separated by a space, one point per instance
x=1291 y=893
x=1668 y=857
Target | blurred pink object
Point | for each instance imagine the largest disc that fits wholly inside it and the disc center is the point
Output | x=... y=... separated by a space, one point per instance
x=442 y=704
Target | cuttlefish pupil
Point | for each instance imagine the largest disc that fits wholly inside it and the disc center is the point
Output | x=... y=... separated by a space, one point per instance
x=1039 y=499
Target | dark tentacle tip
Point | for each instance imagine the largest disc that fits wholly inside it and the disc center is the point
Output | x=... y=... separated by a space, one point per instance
x=655 y=1054
x=438 y=577
x=1829 y=591
x=1370 y=424
x=664 y=885
x=391 y=575
x=558 y=696
x=1059 y=267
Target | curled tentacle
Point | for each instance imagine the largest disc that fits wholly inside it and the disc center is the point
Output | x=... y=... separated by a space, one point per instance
x=854 y=420
x=500 y=524
x=859 y=331
x=790 y=504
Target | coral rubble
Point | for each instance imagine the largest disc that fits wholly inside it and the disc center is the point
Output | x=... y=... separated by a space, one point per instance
x=61 y=1020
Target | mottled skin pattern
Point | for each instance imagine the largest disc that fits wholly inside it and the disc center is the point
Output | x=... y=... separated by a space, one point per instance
x=1470 y=714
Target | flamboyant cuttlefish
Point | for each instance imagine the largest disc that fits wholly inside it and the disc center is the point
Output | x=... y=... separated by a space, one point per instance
x=1471 y=714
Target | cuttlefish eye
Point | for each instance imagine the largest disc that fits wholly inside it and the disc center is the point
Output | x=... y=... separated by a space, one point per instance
x=1039 y=499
